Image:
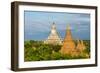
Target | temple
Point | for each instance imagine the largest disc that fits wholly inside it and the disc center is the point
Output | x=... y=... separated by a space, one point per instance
x=53 y=37
x=69 y=46
x=80 y=45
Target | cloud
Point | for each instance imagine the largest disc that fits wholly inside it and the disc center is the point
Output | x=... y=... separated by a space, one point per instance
x=38 y=24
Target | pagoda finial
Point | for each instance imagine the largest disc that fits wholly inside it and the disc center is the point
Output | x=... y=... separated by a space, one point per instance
x=53 y=25
x=68 y=27
x=53 y=22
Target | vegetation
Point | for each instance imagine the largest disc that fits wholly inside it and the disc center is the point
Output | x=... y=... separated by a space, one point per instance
x=37 y=51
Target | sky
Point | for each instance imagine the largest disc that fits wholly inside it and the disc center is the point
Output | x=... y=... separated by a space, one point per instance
x=37 y=24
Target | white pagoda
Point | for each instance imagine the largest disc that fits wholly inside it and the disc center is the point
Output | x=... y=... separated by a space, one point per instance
x=53 y=37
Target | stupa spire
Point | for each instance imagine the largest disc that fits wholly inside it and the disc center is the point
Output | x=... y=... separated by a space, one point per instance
x=68 y=44
x=83 y=45
x=78 y=45
x=53 y=26
x=68 y=27
x=68 y=33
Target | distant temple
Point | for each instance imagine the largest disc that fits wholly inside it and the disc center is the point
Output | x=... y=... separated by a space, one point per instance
x=69 y=46
x=53 y=37
x=80 y=46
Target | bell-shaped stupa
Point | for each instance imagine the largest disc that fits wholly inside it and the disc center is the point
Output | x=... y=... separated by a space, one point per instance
x=53 y=37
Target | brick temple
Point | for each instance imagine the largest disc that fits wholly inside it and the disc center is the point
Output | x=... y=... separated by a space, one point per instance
x=69 y=46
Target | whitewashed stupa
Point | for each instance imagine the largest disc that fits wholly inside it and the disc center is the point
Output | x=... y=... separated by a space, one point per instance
x=53 y=37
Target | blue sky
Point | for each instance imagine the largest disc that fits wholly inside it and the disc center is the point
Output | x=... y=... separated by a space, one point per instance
x=37 y=24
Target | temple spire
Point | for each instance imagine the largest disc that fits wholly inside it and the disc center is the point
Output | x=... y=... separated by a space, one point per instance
x=68 y=27
x=68 y=44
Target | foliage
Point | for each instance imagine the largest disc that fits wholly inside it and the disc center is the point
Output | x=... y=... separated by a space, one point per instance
x=37 y=51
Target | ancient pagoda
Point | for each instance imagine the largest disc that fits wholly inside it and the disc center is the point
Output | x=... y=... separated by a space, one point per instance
x=53 y=37
x=80 y=45
x=68 y=46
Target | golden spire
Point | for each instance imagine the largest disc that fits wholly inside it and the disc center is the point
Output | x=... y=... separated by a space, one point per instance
x=80 y=45
x=68 y=27
x=83 y=45
x=68 y=44
x=68 y=33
